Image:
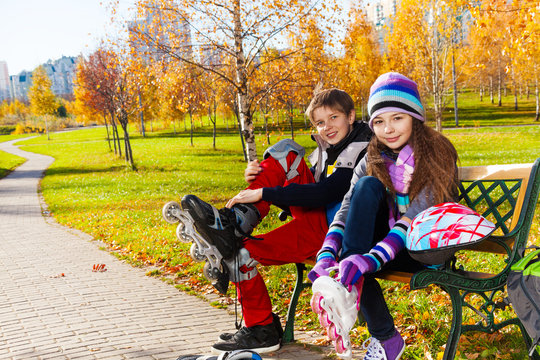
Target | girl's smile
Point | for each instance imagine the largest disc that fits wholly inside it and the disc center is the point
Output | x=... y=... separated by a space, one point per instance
x=393 y=129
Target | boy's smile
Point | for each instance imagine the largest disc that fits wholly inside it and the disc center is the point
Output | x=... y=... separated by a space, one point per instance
x=332 y=125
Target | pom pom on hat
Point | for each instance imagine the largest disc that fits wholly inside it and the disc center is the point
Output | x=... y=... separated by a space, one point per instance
x=394 y=92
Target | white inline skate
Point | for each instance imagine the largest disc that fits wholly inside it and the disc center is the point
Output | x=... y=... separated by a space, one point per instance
x=337 y=309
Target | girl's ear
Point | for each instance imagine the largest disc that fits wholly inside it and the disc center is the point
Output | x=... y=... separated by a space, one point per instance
x=352 y=117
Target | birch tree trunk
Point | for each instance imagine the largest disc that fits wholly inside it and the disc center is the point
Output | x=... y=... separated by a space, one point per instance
x=244 y=111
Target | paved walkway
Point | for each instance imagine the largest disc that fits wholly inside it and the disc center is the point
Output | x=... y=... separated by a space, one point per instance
x=53 y=306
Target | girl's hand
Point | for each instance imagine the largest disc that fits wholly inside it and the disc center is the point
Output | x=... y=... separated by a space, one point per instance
x=247 y=196
x=321 y=268
x=352 y=268
x=252 y=171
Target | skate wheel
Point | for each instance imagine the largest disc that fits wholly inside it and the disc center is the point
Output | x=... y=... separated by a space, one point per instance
x=340 y=346
x=212 y=274
x=195 y=253
x=316 y=303
x=181 y=233
x=332 y=332
x=323 y=320
x=169 y=212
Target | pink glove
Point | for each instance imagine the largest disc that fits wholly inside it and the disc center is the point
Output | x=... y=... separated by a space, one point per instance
x=321 y=268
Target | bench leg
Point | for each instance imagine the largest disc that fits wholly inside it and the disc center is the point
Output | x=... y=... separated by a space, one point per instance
x=455 y=329
x=288 y=333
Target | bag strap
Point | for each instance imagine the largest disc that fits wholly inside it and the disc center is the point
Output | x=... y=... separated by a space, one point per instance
x=522 y=264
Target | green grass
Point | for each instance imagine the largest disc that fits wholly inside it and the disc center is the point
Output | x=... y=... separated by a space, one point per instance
x=473 y=113
x=8 y=162
x=90 y=189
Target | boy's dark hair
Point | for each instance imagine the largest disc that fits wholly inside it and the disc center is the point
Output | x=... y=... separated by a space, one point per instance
x=333 y=98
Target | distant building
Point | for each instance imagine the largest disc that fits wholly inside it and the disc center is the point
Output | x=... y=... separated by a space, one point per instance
x=61 y=72
x=4 y=82
x=210 y=55
x=378 y=13
x=19 y=85
x=176 y=39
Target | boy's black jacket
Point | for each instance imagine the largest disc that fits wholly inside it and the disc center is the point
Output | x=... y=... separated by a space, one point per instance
x=329 y=189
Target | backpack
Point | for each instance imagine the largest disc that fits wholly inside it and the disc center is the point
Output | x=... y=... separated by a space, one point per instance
x=524 y=293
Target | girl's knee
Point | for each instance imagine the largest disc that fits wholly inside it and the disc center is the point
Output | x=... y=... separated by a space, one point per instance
x=369 y=185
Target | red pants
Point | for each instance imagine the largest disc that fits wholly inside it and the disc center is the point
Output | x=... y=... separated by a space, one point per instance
x=295 y=241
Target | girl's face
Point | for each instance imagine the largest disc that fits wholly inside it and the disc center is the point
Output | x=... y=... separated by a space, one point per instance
x=332 y=125
x=393 y=129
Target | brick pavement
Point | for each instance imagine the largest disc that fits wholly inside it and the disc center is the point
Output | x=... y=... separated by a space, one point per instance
x=53 y=306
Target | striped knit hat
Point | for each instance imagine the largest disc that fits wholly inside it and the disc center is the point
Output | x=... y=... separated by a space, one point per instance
x=394 y=92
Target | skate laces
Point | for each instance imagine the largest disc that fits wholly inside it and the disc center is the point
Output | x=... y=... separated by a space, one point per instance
x=231 y=218
x=375 y=350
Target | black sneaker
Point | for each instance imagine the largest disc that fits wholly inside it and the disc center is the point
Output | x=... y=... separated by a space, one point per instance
x=260 y=338
x=277 y=324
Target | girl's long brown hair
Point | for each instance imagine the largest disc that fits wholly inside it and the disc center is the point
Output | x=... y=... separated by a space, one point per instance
x=435 y=164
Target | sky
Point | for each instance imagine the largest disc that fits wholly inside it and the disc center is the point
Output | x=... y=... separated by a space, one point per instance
x=34 y=31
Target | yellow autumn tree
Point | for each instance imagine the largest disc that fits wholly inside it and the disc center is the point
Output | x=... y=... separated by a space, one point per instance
x=420 y=41
x=41 y=96
x=522 y=46
x=485 y=59
x=529 y=41
x=240 y=29
x=362 y=60
x=310 y=60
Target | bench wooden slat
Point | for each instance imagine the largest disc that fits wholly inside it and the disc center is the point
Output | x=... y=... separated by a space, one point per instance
x=501 y=172
x=495 y=172
x=400 y=276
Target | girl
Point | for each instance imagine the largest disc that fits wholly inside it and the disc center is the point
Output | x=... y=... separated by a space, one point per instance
x=408 y=168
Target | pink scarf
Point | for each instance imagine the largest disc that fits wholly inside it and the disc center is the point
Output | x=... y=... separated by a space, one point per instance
x=401 y=171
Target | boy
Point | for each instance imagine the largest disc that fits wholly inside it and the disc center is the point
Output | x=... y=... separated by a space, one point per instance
x=311 y=195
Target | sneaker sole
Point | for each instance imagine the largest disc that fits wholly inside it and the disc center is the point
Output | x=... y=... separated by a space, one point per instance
x=262 y=350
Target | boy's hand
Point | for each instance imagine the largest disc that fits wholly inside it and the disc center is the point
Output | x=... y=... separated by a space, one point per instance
x=252 y=171
x=247 y=196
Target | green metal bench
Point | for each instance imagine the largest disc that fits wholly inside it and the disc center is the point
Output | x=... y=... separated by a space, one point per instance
x=506 y=195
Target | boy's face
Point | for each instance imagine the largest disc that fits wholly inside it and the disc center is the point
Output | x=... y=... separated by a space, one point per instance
x=332 y=125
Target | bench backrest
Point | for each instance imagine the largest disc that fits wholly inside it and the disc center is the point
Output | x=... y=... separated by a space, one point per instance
x=504 y=194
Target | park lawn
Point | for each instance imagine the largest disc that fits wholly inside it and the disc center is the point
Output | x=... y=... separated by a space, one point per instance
x=473 y=113
x=90 y=189
x=8 y=162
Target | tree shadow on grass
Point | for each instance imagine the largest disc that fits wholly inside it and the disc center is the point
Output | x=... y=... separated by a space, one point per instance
x=78 y=171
